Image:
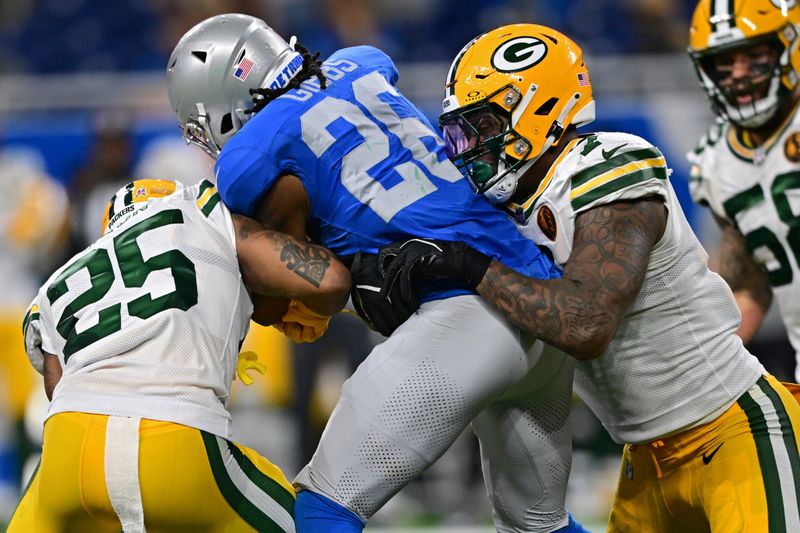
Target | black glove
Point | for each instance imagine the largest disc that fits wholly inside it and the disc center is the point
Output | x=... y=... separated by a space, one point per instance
x=381 y=313
x=404 y=262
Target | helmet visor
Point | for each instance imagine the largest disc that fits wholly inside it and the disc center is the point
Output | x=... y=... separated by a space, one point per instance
x=474 y=139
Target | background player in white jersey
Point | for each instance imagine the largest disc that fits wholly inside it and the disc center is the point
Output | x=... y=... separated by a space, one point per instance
x=138 y=339
x=711 y=440
x=747 y=168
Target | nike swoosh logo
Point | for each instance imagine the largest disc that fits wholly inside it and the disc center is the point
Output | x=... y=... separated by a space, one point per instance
x=608 y=154
x=708 y=456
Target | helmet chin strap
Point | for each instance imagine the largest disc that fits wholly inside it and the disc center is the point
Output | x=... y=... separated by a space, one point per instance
x=502 y=191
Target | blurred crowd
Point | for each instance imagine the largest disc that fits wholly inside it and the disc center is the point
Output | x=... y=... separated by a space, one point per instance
x=51 y=207
x=54 y=36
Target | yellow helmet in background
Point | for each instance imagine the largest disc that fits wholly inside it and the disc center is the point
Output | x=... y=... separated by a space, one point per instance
x=510 y=95
x=721 y=26
x=132 y=198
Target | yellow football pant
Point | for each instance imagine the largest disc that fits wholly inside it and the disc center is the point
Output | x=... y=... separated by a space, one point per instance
x=739 y=473
x=188 y=480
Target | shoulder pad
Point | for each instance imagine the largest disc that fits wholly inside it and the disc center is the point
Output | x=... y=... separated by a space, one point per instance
x=611 y=166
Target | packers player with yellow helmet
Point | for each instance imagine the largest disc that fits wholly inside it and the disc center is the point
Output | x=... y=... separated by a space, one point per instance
x=710 y=437
x=746 y=168
x=138 y=339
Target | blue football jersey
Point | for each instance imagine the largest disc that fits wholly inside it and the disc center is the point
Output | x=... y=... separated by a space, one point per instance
x=372 y=165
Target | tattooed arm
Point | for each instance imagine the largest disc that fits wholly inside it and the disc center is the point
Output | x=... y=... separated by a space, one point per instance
x=276 y=264
x=746 y=279
x=580 y=312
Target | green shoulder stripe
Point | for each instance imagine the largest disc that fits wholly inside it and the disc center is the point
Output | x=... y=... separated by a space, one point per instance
x=617 y=184
x=610 y=164
x=210 y=204
x=204 y=186
x=30 y=316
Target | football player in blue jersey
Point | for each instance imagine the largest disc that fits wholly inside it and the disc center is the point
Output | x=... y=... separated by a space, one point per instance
x=333 y=152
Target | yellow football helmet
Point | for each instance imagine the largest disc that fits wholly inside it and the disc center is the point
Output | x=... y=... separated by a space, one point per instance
x=510 y=95
x=132 y=198
x=722 y=27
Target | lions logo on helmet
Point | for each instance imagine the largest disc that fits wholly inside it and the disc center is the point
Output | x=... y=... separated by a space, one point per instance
x=510 y=95
x=133 y=198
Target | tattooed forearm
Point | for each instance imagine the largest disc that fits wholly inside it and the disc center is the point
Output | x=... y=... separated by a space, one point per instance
x=740 y=271
x=581 y=312
x=307 y=261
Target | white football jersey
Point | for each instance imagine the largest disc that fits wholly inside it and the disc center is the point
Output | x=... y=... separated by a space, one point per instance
x=148 y=320
x=675 y=361
x=758 y=191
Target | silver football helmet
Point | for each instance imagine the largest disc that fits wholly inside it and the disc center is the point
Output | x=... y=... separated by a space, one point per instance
x=213 y=68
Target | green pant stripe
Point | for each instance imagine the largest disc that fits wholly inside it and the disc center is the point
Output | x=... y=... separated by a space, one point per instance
x=787 y=431
x=263 y=481
x=25 y=490
x=626 y=180
x=212 y=202
x=243 y=507
x=766 y=460
x=617 y=161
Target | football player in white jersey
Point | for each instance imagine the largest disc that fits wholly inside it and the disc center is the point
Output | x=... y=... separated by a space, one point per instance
x=747 y=168
x=138 y=340
x=711 y=438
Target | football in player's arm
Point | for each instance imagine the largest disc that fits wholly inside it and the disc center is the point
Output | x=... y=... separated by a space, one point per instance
x=137 y=338
x=652 y=327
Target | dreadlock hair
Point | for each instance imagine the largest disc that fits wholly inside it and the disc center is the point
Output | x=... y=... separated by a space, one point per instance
x=312 y=66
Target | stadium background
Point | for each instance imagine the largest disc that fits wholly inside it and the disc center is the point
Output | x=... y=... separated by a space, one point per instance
x=83 y=109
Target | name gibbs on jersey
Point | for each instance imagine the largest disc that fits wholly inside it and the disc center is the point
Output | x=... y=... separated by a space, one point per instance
x=333 y=70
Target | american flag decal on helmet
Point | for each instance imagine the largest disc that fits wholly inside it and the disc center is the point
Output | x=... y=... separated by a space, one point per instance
x=583 y=79
x=243 y=69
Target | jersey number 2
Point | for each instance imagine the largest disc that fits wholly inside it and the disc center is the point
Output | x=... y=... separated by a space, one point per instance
x=374 y=148
x=134 y=270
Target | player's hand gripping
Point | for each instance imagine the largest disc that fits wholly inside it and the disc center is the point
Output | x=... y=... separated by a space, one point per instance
x=403 y=263
x=302 y=324
x=382 y=313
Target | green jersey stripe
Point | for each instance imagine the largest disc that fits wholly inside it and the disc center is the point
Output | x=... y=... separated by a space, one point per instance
x=766 y=459
x=617 y=184
x=249 y=512
x=788 y=434
x=205 y=185
x=617 y=161
x=212 y=202
x=29 y=317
